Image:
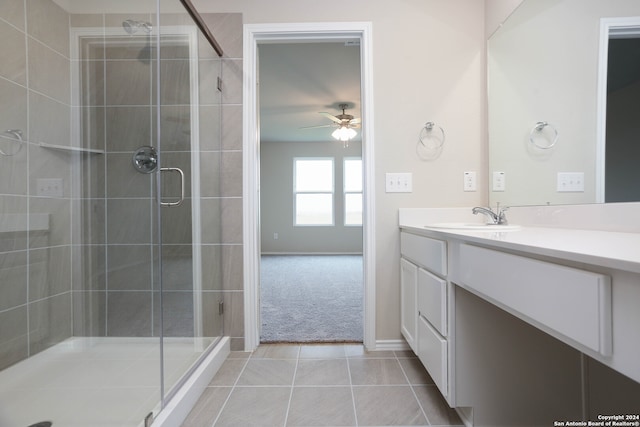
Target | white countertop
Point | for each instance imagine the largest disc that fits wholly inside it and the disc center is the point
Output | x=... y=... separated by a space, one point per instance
x=613 y=249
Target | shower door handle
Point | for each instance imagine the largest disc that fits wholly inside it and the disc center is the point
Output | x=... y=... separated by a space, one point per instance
x=181 y=199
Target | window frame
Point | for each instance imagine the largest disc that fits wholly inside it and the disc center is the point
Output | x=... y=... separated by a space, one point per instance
x=345 y=192
x=331 y=192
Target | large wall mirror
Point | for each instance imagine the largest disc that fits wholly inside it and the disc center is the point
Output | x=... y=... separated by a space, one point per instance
x=556 y=134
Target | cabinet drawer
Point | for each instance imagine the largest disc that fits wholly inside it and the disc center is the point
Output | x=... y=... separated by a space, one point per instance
x=432 y=351
x=432 y=300
x=424 y=251
x=563 y=301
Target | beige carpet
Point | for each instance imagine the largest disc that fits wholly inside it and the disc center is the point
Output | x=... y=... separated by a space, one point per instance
x=309 y=298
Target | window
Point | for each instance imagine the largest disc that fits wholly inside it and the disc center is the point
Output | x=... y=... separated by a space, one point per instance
x=352 y=191
x=313 y=191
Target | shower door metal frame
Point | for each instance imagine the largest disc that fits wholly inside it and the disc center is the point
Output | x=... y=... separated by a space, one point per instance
x=190 y=35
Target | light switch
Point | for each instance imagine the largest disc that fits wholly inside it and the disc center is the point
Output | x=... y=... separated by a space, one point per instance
x=49 y=187
x=570 y=182
x=499 y=181
x=399 y=182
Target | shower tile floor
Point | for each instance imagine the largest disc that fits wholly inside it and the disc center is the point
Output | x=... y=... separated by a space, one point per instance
x=321 y=385
x=87 y=382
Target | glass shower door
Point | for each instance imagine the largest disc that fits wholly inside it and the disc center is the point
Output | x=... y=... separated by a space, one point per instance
x=189 y=117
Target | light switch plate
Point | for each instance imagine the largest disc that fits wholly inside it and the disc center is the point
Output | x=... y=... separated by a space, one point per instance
x=469 y=181
x=399 y=182
x=49 y=187
x=499 y=181
x=570 y=182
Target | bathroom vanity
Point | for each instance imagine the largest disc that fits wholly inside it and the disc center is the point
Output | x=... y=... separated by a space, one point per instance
x=528 y=325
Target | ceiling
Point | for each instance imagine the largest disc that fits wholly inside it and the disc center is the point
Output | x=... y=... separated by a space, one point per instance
x=299 y=80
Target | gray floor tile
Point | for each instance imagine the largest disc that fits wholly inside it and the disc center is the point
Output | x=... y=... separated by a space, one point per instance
x=255 y=406
x=321 y=385
x=435 y=407
x=239 y=355
x=268 y=372
x=416 y=373
x=376 y=372
x=229 y=372
x=322 y=372
x=358 y=351
x=276 y=351
x=321 y=406
x=208 y=407
x=387 y=406
x=322 y=351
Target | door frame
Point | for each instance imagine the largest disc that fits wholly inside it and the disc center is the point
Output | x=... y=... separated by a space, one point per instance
x=297 y=32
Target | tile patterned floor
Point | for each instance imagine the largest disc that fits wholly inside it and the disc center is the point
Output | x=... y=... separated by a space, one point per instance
x=321 y=385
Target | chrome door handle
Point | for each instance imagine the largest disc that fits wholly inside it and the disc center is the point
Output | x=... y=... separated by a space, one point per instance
x=181 y=199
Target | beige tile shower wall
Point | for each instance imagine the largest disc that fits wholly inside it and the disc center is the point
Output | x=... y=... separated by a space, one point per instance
x=35 y=259
x=221 y=162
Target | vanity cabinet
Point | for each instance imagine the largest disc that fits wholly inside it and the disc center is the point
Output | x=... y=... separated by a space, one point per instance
x=423 y=289
x=499 y=326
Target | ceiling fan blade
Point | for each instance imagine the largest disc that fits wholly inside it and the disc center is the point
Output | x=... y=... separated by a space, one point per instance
x=316 y=127
x=355 y=121
x=331 y=117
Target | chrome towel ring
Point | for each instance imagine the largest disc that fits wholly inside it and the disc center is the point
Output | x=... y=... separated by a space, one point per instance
x=17 y=137
x=539 y=128
x=427 y=133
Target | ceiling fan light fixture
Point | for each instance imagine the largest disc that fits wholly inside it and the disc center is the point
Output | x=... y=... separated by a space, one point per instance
x=344 y=133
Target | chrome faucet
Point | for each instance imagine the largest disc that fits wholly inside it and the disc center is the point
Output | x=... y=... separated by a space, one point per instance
x=497 y=217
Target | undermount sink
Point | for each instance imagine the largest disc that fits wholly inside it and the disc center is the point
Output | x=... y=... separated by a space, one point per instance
x=475 y=226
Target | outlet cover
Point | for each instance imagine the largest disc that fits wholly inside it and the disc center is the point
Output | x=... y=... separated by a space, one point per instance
x=469 y=181
x=499 y=181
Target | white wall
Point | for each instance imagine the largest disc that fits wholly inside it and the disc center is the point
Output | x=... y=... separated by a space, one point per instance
x=496 y=11
x=428 y=66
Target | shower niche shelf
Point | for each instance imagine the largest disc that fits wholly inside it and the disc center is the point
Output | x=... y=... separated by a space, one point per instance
x=68 y=148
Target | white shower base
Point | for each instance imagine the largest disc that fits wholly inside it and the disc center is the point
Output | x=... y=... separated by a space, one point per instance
x=85 y=382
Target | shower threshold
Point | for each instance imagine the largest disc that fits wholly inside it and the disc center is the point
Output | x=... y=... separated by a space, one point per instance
x=82 y=380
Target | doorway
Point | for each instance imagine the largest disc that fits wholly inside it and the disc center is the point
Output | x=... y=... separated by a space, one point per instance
x=288 y=33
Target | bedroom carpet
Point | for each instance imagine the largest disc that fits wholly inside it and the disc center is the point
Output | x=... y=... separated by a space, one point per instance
x=309 y=298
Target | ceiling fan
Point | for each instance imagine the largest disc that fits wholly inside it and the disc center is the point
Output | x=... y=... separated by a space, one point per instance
x=344 y=122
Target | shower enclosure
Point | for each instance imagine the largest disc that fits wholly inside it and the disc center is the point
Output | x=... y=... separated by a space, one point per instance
x=110 y=278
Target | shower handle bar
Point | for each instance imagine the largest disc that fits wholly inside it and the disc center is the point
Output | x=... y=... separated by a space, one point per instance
x=181 y=199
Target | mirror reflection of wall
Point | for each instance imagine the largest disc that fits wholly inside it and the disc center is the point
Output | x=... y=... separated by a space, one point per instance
x=543 y=66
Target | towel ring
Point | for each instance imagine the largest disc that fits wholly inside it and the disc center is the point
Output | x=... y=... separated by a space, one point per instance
x=426 y=132
x=539 y=127
x=17 y=136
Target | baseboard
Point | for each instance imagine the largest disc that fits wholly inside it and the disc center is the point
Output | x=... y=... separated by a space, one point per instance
x=395 y=345
x=181 y=404
x=310 y=253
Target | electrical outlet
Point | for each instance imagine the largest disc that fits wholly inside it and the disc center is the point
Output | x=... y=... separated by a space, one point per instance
x=49 y=187
x=399 y=182
x=499 y=181
x=469 y=181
